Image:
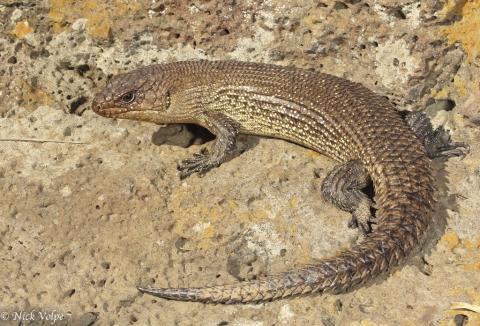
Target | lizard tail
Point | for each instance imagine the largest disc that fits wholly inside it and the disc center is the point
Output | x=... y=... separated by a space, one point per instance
x=403 y=216
x=400 y=232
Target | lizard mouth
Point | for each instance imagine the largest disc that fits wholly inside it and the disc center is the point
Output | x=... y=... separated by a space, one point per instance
x=125 y=113
x=110 y=112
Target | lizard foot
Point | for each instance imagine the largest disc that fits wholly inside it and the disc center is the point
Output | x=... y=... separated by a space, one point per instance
x=362 y=217
x=437 y=142
x=200 y=163
x=449 y=149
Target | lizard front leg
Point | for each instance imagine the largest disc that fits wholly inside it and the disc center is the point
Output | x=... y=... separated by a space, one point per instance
x=226 y=133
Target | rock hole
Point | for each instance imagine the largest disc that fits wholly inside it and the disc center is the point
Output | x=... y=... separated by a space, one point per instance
x=200 y=132
x=82 y=69
x=398 y=13
x=460 y=320
x=339 y=5
x=223 y=31
x=77 y=103
x=448 y=104
x=440 y=104
x=160 y=8
x=69 y=293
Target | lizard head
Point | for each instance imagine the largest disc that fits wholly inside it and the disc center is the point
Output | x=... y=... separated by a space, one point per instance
x=137 y=95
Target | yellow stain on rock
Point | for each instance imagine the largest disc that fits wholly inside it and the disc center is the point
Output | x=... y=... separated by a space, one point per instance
x=474 y=295
x=364 y=322
x=473 y=267
x=123 y=7
x=467 y=30
x=312 y=18
x=99 y=24
x=409 y=323
x=450 y=239
x=253 y=217
x=207 y=237
x=294 y=201
x=462 y=87
x=444 y=93
x=312 y=153
x=203 y=222
x=187 y=217
x=212 y=215
x=34 y=97
x=22 y=29
x=473 y=255
x=470 y=257
x=468 y=244
x=58 y=12
x=99 y=14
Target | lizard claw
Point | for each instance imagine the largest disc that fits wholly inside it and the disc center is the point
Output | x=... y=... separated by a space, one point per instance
x=200 y=163
x=362 y=217
x=439 y=144
x=452 y=149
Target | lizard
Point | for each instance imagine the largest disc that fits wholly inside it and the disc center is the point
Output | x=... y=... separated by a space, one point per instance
x=371 y=140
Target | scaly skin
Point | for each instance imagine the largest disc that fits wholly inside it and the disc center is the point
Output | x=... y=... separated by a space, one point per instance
x=331 y=115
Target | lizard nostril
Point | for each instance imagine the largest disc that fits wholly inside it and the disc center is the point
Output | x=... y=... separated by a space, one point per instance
x=95 y=107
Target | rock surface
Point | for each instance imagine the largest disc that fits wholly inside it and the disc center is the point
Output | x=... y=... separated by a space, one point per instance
x=85 y=219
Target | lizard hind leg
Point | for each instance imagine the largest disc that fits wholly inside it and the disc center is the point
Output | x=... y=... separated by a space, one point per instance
x=343 y=188
x=437 y=142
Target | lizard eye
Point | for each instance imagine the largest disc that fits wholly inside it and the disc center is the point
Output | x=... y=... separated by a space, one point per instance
x=128 y=98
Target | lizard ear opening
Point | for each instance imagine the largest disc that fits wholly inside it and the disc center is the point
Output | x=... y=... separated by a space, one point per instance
x=162 y=103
